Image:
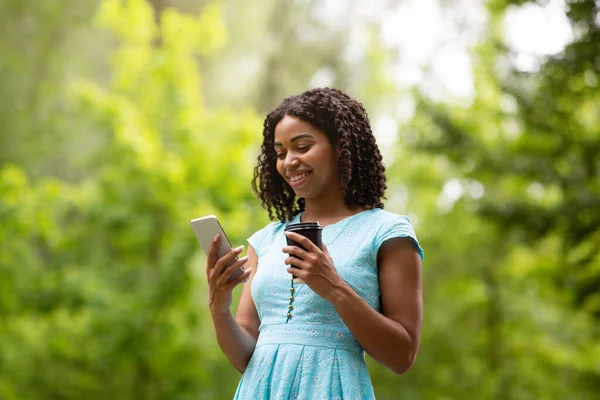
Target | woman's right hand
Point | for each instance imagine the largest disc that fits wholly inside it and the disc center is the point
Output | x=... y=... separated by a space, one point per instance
x=220 y=286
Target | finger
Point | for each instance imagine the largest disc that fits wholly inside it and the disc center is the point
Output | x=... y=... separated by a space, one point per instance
x=304 y=241
x=325 y=250
x=296 y=262
x=227 y=258
x=295 y=250
x=298 y=273
x=232 y=269
x=212 y=254
x=240 y=279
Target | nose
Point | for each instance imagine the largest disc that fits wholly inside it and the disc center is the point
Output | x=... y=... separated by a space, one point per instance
x=290 y=162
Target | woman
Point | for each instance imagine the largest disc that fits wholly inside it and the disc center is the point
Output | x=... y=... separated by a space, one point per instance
x=361 y=292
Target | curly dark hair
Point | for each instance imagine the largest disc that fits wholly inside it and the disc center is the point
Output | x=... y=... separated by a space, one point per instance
x=346 y=123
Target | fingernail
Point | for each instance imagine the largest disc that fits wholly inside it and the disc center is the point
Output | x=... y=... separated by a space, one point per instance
x=239 y=249
x=216 y=237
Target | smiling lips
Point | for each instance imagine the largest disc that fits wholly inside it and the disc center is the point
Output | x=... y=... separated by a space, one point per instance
x=299 y=179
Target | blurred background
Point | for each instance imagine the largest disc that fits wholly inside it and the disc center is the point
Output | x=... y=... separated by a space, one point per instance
x=122 y=120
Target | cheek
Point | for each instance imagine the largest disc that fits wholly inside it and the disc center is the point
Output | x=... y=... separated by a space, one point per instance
x=279 y=166
x=330 y=161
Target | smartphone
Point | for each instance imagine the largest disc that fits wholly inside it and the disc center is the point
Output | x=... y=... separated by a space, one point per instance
x=206 y=228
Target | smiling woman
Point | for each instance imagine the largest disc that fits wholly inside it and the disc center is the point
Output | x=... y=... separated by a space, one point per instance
x=362 y=291
x=322 y=128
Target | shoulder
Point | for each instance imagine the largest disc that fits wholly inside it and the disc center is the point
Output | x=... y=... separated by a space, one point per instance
x=383 y=219
x=261 y=238
x=390 y=225
x=268 y=230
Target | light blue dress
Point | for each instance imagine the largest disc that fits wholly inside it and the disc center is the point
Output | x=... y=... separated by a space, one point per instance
x=313 y=355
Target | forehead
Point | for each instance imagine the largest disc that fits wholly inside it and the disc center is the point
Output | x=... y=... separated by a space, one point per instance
x=290 y=126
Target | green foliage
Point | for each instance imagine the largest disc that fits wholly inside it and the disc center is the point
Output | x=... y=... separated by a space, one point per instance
x=102 y=287
x=524 y=155
x=100 y=293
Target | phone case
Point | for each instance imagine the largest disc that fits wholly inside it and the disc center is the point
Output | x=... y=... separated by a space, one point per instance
x=206 y=228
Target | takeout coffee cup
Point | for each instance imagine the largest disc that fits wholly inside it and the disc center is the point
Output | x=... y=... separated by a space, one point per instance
x=311 y=230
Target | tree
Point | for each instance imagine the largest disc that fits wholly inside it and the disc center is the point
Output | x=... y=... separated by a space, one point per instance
x=100 y=294
x=529 y=144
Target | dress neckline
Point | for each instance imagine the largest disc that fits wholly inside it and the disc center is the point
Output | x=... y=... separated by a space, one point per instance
x=345 y=219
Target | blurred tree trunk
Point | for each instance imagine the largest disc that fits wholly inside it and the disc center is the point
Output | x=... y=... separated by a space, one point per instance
x=494 y=323
x=158 y=6
x=51 y=41
x=280 y=28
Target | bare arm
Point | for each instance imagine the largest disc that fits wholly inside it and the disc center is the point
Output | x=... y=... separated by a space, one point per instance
x=236 y=336
x=391 y=338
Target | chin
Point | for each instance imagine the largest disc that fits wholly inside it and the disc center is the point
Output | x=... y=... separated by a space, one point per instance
x=300 y=193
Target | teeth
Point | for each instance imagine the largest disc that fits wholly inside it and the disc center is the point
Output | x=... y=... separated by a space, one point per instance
x=298 y=177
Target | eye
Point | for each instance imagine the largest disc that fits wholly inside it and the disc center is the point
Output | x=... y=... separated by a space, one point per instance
x=303 y=148
x=281 y=156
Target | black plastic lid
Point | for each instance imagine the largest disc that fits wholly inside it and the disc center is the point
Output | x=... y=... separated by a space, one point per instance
x=303 y=225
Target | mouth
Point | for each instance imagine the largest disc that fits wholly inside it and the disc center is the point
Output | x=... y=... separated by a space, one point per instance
x=298 y=180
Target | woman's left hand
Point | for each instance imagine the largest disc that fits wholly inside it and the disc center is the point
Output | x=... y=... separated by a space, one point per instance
x=314 y=266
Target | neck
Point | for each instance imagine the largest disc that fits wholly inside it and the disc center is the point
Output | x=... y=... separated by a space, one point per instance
x=330 y=205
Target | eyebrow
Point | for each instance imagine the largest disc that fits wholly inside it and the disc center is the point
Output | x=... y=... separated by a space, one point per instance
x=297 y=137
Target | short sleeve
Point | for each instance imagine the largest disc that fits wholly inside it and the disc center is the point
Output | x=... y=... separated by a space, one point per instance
x=257 y=240
x=398 y=226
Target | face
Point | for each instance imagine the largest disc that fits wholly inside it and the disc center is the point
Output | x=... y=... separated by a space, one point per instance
x=305 y=158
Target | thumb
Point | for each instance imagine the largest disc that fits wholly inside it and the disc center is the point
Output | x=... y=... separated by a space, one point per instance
x=325 y=250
